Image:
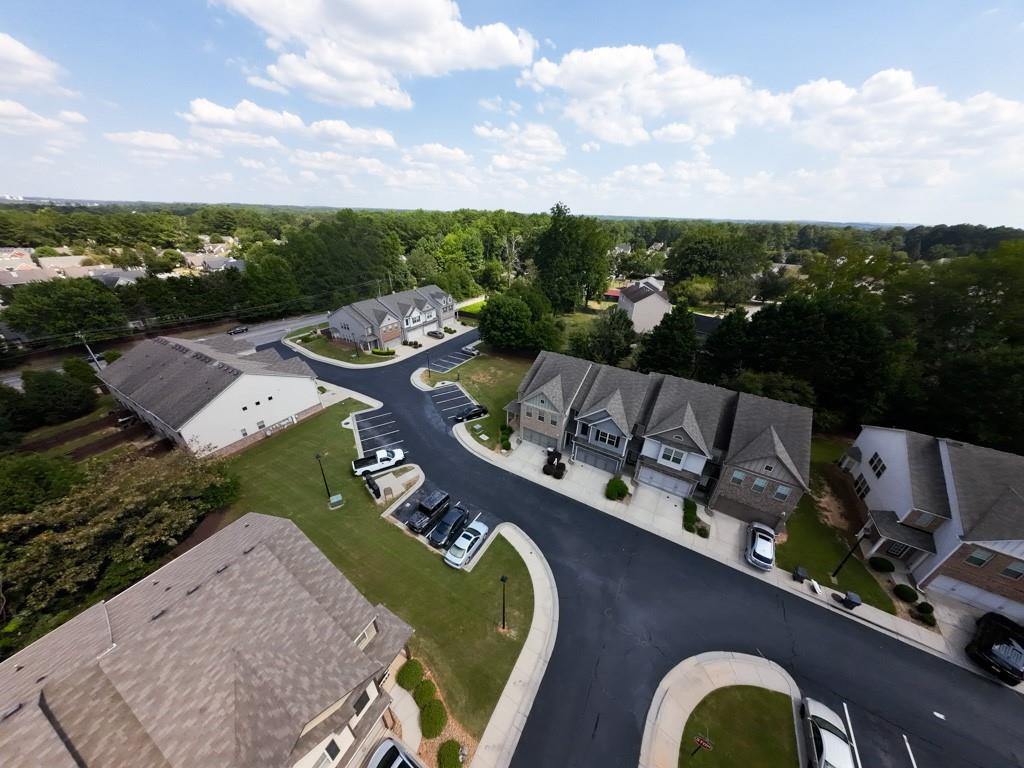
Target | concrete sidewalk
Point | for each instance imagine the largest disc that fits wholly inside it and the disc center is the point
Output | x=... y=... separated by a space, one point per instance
x=501 y=736
x=683 y=688
x=661 y=513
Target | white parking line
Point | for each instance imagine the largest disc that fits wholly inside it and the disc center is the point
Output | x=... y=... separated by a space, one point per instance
x=371 y=418
x=382 y=434
x=910 y=752
x=459 y=396
x=381 y=424
x=853 y=739
x=460 y=405
x=445 y=393
x=388 y=445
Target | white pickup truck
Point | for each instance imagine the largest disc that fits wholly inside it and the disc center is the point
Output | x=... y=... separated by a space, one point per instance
x=377 y=461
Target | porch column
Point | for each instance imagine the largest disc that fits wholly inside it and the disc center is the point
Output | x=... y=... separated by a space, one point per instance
x=876 y=546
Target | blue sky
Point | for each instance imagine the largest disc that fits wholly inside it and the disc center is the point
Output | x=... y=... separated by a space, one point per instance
x=870 y=111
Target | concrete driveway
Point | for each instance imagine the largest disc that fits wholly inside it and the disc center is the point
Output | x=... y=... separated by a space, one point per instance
x=632 y=605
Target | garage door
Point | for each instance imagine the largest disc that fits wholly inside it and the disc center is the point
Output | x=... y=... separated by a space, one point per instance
x=598 y=460
x=415 y=333
x=537 y=438
x=675 y=485
x=978 y=597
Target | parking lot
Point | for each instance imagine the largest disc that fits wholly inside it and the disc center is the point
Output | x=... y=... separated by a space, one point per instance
x=404 y=510
x=450 y=399
x=378 y=429
x=447 y=362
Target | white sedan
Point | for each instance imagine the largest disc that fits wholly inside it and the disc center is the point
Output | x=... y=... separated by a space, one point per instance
x=760 y=551
x=827 y=739
x=460 y=552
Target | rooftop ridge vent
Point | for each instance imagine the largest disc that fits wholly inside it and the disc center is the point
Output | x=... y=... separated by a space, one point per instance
x=191 y=590
x=158 y=614
x=247 y=550
x=223 y=568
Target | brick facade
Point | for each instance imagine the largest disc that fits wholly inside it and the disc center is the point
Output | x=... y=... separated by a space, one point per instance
x=988 y=576
x=731 y=497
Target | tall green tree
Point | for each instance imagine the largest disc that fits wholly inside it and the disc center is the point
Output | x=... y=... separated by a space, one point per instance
x=64 y=307
x=777 y=386
x=505 y=323
x=53 y=398
x=29 y=479
x=672 y=346
x=607 y=340
x=721 y=358
x=572 y=260
x=721 y=251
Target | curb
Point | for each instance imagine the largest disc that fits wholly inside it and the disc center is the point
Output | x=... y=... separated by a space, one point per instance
x=686 y=685
x=501 y=736
x=394 y=360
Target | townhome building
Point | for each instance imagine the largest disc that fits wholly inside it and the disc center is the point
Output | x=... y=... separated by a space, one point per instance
x=386 y=321
x=745 y=455
x=951 y=512
x=250 y=649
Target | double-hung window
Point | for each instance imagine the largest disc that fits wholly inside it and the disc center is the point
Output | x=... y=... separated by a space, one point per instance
x=606 y=438
x=979 y=557
x=758 y=485
x=673 y=456
x=737 y=477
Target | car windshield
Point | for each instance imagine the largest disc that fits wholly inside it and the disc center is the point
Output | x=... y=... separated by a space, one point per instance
x=825 y=725
x=1011 y=654
x=458 y=549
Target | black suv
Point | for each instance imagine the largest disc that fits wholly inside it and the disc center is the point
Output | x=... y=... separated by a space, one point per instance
x=431 y=509
x=449 y=528
x=998 y=646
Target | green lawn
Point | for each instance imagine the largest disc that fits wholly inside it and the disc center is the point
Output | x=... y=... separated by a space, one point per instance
x=455 y=614
x=748 y=727
x=306 y=329
x=103 y=404
x=492 y=379
x=321 y=346
x=816 y=545
x=577 y=321
x=475 y=307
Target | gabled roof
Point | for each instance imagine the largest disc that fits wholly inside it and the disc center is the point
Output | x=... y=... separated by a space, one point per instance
x=766 y=428
x=695 y=408
x=190 y=669
x=639 y=291
x=927 y=479
x=174 y=379
x=989 y=491
x=620 y=393
x=375 y=313
x=559 y=377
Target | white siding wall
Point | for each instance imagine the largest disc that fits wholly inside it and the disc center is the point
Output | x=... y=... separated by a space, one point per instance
x=648 y=313
x=892 y=490
x=692 y=462
x=221 y=422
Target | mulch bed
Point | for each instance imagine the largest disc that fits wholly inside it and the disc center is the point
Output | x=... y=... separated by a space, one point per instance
x=68 y=435
x=108 y=442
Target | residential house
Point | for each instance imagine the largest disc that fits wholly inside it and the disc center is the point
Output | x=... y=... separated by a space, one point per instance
x=747 y=456
x=60 y=262
x=220 y=263
x=18 y=253
x=214 y=396
x=387 y=321
x=952 y=512
x=22 y=276
x=644 y=304
x=250 y=649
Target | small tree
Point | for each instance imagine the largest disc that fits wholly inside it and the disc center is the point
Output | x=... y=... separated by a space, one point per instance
x=722 y=356
x=672 y=346
x=78 y=369
x=53 y=398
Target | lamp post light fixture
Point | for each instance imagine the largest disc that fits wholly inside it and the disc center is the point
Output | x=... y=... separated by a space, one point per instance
x=504 y=580
x=323 y=475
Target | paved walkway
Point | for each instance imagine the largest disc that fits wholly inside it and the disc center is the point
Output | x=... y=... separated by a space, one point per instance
x=501 y=736
x=661 y=513
x=408 y=714
x=683 y=688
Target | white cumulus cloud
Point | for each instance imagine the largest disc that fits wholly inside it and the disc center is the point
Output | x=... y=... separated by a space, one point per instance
x=22 y=67
x=533 y=146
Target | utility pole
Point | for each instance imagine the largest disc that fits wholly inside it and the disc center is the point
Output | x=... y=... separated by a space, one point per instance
x=92 y=355
x=324 y=475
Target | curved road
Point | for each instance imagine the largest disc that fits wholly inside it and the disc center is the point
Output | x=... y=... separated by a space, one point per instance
x=632 y=605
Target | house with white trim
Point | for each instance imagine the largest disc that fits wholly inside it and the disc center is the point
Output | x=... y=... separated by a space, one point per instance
x=386 y=321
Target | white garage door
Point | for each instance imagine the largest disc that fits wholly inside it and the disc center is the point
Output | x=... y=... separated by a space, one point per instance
x=415 y=333
x=665 y=482
x=978 y=597
x=595 y=459
x=539 y=438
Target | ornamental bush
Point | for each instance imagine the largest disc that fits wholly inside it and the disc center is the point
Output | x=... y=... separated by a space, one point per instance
x=433 y=718
x=905 y=592
x=926 y=608
x=424 y=691
x=616 y=490
x=410 y=674
x=449 y=754
x=704 y=531
x=927 y=618
x=690 y=526
x=506 y=444
x=382 y=352
x=881 y=565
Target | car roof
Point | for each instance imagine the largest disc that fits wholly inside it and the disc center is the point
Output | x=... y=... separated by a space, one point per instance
x=836 y=752
x=765 y=547
x=478 y=526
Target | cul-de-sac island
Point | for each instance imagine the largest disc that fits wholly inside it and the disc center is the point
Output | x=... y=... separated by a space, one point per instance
x=714 y=469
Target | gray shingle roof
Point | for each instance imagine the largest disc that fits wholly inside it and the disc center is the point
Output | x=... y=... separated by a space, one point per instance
x=927 y=480
x=695 y=408
x=638 y=292
x=191 y=670
x=558 y=376
x=889 y=526
x=989 y=485
x=764 y=427
x=176 y=378
x=621 y=393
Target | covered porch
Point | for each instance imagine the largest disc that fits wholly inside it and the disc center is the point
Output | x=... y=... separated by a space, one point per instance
x=884 y=535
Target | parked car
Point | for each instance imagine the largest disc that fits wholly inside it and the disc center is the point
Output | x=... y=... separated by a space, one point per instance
x=760 y=546
x=998 y=646
x=470 y=350
x=462 y=549
x=435 y=334
x=828 y=743
x=474 y=411
x=391 y=754
x=238 y=329
x=431 y=509
x=377 y=461
x=448 y=527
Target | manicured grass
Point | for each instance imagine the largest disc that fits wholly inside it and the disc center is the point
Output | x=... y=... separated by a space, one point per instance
x=826 y=449
x=475 y=307
x=455 y=614
x=103 y=404
x=819 y=547
x=492 y=379
x=577 y=321
x=306 y=329
x=321 y=346
x=747 y=726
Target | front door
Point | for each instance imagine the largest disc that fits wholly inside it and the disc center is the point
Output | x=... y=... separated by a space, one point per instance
x=896 y=549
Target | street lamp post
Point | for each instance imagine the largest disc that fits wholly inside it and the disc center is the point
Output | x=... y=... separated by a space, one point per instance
x=849 y=554
x=504 y=580
x=324 y=476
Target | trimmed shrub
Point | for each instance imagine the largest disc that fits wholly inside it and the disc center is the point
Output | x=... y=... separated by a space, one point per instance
x=424 y=691
x=616 y=490
x=449 y=330
x=449 y=754
x=690 y=507
x=926 y=608
x=905 y=592
x=704 y=531
x=881 y=565
x=433 y=718
x=689 y=526
x=927 y=618
x=382 y=352
x=506 y=444
x=410 y=674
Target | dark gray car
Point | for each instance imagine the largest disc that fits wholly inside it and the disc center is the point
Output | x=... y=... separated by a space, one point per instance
x=448 y=529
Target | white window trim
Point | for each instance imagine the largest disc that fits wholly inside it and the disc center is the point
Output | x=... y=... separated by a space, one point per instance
x=1016 y=568
x=759 y=489
x=672 y=456
x=734 y=480
x=988 y=557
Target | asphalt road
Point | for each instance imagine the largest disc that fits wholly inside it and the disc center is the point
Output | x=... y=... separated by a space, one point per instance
x=632 y=605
